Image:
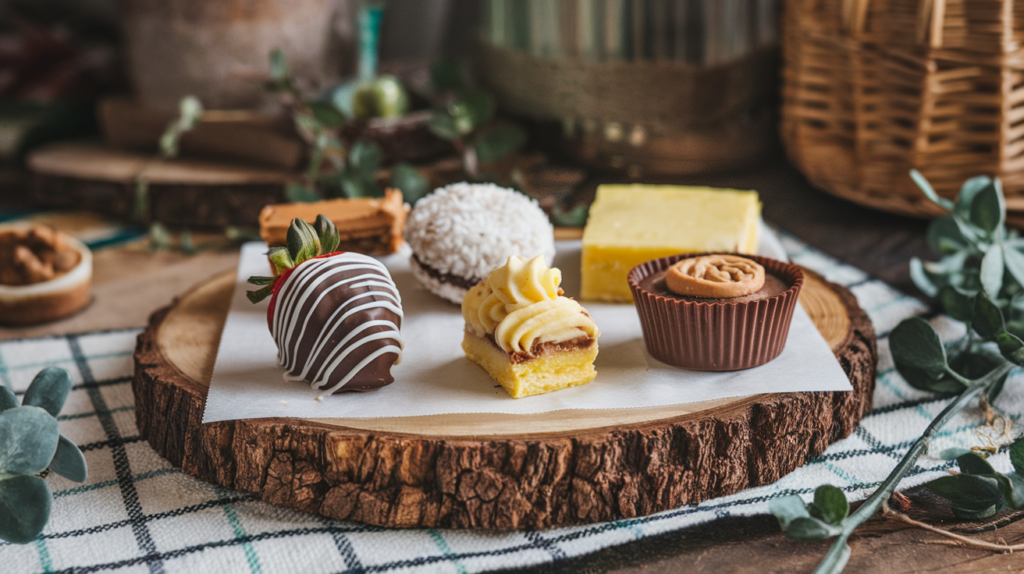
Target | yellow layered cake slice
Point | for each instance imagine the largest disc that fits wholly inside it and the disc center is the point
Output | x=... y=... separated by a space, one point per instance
x=525 y=333
x=631 y=224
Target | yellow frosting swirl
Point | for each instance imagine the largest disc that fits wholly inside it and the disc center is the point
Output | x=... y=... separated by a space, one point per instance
x=520 y=304
x=554 y=321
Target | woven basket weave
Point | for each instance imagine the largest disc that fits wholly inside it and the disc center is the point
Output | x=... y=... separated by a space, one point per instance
x=873 y=88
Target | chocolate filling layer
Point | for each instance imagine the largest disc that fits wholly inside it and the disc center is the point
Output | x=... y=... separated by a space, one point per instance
x=543 y=349
x=455 y=280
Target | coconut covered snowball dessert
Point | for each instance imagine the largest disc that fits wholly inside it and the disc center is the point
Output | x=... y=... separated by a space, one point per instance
x=460 y=233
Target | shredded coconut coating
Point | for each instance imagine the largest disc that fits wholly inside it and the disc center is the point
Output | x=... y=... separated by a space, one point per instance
x=469 y=230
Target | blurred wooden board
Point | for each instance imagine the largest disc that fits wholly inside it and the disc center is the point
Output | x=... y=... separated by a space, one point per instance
x=181 y=192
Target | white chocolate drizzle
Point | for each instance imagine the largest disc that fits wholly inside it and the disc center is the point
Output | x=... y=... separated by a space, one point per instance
x=289 y=325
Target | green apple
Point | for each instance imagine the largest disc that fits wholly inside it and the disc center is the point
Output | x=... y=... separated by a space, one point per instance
x=380 y=97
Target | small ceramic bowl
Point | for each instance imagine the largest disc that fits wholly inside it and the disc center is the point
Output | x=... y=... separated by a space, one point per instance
x=715 y=334
x=48 y=300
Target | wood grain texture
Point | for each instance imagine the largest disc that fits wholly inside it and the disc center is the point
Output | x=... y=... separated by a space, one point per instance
x=600 y=469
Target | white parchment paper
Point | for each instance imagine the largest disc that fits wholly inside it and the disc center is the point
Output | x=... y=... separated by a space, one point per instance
x=434 y=376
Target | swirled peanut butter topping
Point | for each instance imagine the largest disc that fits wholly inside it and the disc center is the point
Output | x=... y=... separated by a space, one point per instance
x=715 y=277
x=520 y=304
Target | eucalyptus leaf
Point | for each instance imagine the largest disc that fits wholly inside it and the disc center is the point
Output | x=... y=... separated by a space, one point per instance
x=992 y=271
x=953 y=453
x=495 y=144
x=190 y=111
x=973 y=497
x=24 y=508
x=8 y=400
x=30 y=437
x=364 y=160
x=355 y=187
x=410 y=181
x=830 y=505
x=788 y=508
x=968 y=191
x=809 y=528
x=929 y=192
x=1014 y=495
x=48 y=390
x=328 y=234
x=159 y=237
x=443 y=126
x=944 y=236
x=917 y=351
x=1017 y=455
x=921 y=278
x=471 y=111
x=973 y=463
x=988 y=208
x=956 y=303
x=279 y=70
x=298 y=193
x=69 y=461
x=327 y=114
x=977 y=363
x=996 y=389
x=1011 y=347
x=302 y=240
x=575 y=217
x=988 y=319
x=1014 y=261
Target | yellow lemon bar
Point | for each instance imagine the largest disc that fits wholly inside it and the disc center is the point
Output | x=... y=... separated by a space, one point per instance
x=525 y=334
x=631 y=224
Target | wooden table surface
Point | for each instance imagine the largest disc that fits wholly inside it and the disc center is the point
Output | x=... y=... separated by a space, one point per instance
x=132 y=282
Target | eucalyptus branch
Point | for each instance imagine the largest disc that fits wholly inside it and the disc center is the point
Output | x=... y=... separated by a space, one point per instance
x=840 y=551
x=977 y=281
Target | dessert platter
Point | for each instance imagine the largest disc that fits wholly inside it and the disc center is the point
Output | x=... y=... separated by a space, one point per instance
x=347 y=321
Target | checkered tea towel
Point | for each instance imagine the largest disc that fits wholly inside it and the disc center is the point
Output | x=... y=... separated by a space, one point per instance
x=138 y=514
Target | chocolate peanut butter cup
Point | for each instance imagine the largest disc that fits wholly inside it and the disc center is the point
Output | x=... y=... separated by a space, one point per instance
x=715 y=334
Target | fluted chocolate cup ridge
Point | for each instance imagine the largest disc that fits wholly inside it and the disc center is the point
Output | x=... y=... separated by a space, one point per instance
x=715 y=335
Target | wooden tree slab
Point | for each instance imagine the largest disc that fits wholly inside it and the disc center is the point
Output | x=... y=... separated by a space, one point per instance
x=474 y=471
x=181 y=192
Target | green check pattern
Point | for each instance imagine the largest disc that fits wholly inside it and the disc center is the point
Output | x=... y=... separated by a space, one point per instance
x=137 y=514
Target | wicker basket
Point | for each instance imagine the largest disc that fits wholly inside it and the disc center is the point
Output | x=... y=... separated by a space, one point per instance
x=873 y=88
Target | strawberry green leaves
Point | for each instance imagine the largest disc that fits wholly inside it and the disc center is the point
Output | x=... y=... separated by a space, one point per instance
x=281 y=259
x=31 y=443
x=328 y=234
x=305 y=242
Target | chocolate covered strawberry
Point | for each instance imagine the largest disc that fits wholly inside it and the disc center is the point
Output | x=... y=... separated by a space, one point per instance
x=334 y=315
